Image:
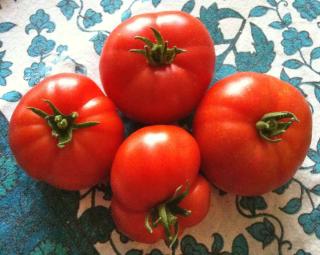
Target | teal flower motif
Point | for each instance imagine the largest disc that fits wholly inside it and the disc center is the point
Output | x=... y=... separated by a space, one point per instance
x=190 y=246
x=211 y=20
x=110 y=6
x=39 y=21
x=6 y=26
x=263 y=232
x=8 y=174
x=91 y=18
x=40 y=46
x=61 y=48
x=67 y=8
x=308 y=9
x=293 y=40
x=311 y=222
x=302 y=252
x=35 y=73
x=11 y=96
x=4 y=69
x=48 y=247
x=253 y=203
x=98 y=41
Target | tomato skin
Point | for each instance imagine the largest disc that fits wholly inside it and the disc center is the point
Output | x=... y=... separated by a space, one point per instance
x=132 y=224
x=197 y=201
x=234 y=157
x=157 y=94
x=151 y=164
x=81 y=163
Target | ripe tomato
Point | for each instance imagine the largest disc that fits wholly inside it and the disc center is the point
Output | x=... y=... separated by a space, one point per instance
x=65 y=132
x=151 y=163
x=253 y=131
x=132 y=223
x=155 y=171
x=157 y=80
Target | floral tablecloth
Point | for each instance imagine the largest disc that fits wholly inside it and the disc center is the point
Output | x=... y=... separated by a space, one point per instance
x=38 y=38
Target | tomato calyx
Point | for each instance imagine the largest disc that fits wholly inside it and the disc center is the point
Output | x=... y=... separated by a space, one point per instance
x=271 y=125
x=158 y=53
x=61 y=125
x=166 y=214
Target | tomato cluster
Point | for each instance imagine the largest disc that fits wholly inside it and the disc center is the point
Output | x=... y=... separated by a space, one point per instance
x=250 y=131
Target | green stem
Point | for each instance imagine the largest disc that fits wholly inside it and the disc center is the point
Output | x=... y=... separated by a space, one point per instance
x=61 y=125
x=273 y=124
x=166 y=214
x=158 y=53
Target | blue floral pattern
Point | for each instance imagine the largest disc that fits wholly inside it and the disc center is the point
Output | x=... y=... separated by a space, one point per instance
x=47 y=247
x=5 y=66
x=35 y=73
x=111 y=6
x=294 y=40
x=308 y=9
x=67 y=7
x=269 y=36
x=40 y=46
x=302 y=252
x=311 y=222
x=40 y=21
x=91 y=18
x=4 y=69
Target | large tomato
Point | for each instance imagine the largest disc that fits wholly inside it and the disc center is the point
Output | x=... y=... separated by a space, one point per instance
x=253 y=131
x=155 y=171
x=65 y=132
x=157 y=66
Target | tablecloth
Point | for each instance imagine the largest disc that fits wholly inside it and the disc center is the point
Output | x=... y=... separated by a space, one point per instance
x=38 y=38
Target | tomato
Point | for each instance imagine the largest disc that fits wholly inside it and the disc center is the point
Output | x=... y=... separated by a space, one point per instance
x=154 y=172
x=157 y=66
x=132 y=223
x=151 y=163
x=253 y=131
x=65 y=132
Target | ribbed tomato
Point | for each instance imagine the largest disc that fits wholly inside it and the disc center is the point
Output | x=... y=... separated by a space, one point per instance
x=157 y=66
x=65 y=132
x=254 y=131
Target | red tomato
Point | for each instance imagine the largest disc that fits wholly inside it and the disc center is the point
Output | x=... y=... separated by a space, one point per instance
x=151 y=175
x=157 y=80
x=151 y=163
x=245 y=149
x=71 y=149
x=132 y=223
